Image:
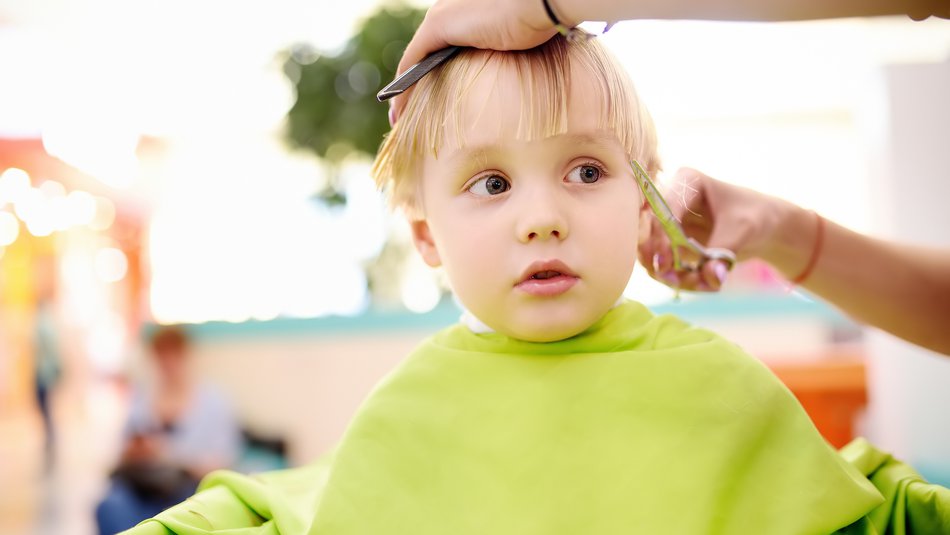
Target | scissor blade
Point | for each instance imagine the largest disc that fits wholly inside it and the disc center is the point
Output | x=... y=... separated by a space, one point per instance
x=658 y=204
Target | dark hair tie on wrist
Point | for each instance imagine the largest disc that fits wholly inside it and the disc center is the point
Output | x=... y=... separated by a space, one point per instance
x=551 y=15
x=572 y=34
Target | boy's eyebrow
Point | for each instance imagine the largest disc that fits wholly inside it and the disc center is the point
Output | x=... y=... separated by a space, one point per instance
x=603 y=138
x=466 y=156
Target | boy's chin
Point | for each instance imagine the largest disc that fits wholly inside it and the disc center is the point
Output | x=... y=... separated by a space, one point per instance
x=545 y=321
x=546 y=332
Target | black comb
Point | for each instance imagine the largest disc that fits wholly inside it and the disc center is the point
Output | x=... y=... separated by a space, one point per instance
x=414 y=73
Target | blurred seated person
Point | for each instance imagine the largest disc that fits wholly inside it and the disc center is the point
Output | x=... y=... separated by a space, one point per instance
x=178 y=430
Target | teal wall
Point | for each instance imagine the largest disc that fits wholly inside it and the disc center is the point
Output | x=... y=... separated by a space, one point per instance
x=693 y=308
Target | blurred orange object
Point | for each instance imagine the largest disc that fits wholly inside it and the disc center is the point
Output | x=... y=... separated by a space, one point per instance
x=832 y=389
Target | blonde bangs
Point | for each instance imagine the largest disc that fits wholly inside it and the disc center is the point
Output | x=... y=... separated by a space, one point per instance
x=544 y=75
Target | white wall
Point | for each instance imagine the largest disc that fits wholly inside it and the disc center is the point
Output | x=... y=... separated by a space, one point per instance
x=302 y=387
x=909 y=412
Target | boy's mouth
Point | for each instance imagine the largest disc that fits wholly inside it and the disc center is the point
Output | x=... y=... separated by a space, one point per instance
x=547 y=269
x=546 y=279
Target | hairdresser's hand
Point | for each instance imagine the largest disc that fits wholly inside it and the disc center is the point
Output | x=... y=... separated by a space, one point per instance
x=488 y=24
x=716 y=214
x=523 y=24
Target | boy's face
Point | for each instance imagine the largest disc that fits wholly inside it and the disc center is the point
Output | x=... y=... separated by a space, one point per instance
x=538 y=238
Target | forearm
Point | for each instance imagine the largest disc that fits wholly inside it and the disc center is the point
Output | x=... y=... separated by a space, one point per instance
x=902 y=289
x=574 y=11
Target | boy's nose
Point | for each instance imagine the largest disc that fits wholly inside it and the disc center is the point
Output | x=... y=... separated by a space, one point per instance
x=541 y=219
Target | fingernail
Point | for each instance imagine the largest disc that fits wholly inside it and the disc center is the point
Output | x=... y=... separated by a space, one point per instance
x=721 y=272
x=671 y=278
x=392 y=116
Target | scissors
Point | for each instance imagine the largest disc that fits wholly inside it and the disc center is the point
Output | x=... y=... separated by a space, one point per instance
x=698 y=254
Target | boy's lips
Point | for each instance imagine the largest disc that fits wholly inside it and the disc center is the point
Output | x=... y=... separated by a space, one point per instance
x=547 y=278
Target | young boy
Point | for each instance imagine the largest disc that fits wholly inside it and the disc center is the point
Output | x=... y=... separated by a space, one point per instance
x=555 y=406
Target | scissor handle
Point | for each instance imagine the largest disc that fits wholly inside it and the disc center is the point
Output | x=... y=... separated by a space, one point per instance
x=720 y=254
x=704 y=254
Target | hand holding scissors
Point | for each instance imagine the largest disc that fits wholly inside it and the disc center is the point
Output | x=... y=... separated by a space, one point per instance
x=689 y=262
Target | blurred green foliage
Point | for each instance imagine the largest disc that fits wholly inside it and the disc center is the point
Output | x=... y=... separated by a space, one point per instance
x=336 y=115
x=336 y=112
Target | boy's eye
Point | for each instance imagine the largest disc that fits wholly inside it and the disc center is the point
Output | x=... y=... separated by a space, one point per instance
x=490 y=185
x=585 y=173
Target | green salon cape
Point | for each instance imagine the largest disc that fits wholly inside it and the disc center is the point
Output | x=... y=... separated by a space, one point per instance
x=641 y=424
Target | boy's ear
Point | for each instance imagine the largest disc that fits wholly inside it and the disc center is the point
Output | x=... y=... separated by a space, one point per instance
x=422 y=238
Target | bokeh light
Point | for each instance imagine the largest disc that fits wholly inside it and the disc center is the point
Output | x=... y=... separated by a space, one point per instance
x=104 y=214
x=420 y=292
x=33 y=208
x=80 y=208
x=14 y=183
x=93 y=145
x=111 y=264
x=52 y=189
x=9 y=228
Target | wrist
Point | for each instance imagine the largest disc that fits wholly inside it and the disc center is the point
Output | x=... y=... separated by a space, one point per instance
x=792 y=241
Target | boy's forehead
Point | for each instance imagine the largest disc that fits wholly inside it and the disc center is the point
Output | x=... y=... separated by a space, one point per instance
x=494 y=104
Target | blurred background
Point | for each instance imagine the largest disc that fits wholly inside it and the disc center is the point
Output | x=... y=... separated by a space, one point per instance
x=206 y=165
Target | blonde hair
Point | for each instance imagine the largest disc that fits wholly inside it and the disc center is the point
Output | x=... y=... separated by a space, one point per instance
x=544 y=74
